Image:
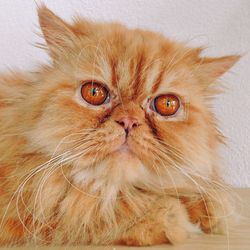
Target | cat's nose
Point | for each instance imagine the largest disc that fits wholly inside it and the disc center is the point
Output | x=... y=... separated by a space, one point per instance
x=128 y=123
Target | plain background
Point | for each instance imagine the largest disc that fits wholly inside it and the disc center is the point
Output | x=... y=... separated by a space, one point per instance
x=223 y=27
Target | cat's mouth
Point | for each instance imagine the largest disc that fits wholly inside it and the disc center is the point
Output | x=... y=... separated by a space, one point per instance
x=125 y=147
x=116 y=145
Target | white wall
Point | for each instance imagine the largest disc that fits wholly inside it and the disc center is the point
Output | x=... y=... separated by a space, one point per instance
x=222 y=26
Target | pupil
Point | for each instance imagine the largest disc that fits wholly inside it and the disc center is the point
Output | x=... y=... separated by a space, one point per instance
x=168 y=103
x=93 y=91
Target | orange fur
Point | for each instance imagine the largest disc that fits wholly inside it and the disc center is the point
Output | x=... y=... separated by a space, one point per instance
x=65 y=178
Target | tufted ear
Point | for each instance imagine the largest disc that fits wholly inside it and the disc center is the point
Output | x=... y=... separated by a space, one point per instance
x=212 y=68
x=58 y=34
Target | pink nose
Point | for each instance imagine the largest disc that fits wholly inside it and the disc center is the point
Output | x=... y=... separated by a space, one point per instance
x=128 y=123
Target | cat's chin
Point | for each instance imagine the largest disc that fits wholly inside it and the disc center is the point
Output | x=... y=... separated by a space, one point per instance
x=124 y=148
x=124 y=152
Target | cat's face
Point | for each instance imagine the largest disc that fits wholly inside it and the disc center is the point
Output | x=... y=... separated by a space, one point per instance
x=124 y=105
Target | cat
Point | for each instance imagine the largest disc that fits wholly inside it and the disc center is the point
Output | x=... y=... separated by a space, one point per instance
x=112 y=142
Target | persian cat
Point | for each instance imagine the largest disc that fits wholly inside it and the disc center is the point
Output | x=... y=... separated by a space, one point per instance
x=112 y=142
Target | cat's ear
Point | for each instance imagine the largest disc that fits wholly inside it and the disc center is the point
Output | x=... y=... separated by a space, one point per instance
x=212 y=68
x=58 y=34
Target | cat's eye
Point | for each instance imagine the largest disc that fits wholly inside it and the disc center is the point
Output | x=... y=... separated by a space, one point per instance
x=166 y=105
x=94 y=93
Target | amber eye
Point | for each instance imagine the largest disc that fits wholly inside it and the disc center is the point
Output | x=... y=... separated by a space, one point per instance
x=166 y=105
x=94 y=93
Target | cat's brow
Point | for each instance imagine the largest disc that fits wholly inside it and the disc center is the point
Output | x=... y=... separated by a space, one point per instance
x=153 y=68
x=114 y=77
x=158 y=79
x=138 y=79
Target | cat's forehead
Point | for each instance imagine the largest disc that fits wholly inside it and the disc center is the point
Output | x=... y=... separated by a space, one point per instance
x=133 y=60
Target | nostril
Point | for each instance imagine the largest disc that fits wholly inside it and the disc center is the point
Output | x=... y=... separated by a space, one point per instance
x=135 y=124
x=122 y=124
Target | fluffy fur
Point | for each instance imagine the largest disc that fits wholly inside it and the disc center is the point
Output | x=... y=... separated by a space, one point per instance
x=65 y=176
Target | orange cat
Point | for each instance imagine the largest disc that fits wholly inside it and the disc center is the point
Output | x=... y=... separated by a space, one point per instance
x=113 y=142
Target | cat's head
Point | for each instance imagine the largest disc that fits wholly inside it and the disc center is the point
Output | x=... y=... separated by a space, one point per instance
x=124 y=105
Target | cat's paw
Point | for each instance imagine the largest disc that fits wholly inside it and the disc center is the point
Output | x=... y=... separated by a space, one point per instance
x=169 y=223
x=211 y=215
x=175 y=219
